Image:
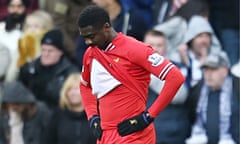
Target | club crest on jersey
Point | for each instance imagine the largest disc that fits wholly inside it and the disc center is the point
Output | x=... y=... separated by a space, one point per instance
x=156 y=59
x=116 y=59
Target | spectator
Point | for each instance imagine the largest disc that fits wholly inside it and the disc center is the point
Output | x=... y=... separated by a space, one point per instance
x=33 y=5
x=35 y=26
x=214 y=107
x=172 y=125
x=16 y=12
x=157 y=40
x=199 y=41
x=10 y=31
x=45 y=75
x=69 y=124
x=176 y=26
x=23 y=120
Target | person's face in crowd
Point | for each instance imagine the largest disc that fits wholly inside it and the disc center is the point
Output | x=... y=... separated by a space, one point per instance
x=73 y=95
x=96 y=37
x=16 y=7
x=157 y=42
x=32 y=25
x=214 y=77
x=201 y=44
x=16 y=107
x=50 y=55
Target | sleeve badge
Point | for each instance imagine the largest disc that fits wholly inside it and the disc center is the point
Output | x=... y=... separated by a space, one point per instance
x=156 y=59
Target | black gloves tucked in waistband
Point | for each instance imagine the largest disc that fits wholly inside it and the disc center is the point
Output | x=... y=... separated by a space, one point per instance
x=134 y=124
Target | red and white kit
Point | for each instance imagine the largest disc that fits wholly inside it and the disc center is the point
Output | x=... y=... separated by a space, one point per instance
x=119 y=77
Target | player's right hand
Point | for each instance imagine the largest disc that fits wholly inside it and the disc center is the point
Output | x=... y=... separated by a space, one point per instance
x=96 y=126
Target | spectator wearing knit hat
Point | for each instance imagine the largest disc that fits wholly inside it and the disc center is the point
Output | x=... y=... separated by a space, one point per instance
x=55 y=38
x=45 y=75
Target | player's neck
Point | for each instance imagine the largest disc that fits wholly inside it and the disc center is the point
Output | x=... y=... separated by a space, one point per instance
x=113 y=34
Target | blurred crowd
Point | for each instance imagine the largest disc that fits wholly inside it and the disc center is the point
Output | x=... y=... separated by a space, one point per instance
x=41 y=55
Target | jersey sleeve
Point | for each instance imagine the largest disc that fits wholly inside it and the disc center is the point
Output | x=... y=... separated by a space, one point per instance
x=88 y=99
x=164 y=70
x=173 y=81
x=151 y=61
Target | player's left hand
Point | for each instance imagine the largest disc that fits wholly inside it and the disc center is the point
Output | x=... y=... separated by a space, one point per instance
x=134 y=124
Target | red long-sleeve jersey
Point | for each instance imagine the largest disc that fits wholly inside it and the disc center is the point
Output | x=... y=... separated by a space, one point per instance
x=120 y=80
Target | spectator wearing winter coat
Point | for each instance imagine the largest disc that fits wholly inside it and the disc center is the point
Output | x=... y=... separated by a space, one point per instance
x=199 y=41
x=69 y=124
x=175 y=27
x=217 y=110
x=22 y=119
x=45 y=75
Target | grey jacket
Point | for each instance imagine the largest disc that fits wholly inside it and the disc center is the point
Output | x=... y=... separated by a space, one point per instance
x=34 y=127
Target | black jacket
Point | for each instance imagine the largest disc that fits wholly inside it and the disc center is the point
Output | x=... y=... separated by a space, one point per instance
x=46 y=82
x=67 y=127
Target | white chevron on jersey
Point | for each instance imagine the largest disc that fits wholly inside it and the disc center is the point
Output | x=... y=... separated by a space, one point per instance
x=101 y=80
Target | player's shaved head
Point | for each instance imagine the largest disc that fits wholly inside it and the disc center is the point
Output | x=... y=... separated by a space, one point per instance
x=93 y=16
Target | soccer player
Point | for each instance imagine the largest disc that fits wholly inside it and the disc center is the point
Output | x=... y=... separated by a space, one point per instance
x=115 y=78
